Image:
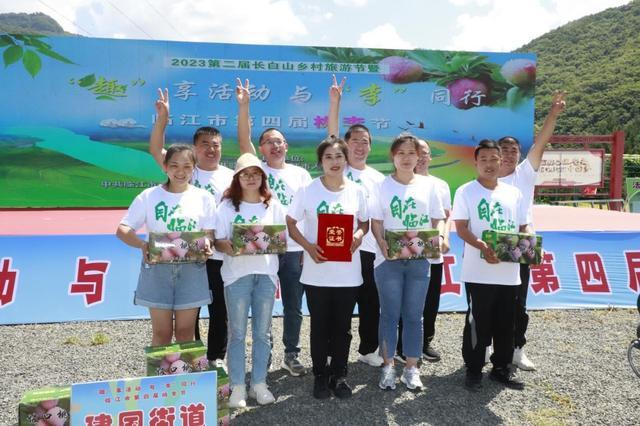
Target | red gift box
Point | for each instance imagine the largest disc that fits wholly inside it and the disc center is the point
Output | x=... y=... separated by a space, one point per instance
x=335 y=235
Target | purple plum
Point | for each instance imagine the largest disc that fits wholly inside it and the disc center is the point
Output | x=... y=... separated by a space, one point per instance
x=401 y=70
x=467 y=93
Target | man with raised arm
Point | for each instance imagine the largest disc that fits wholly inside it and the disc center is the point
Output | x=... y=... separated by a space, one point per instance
x=523 y=176
x=284 y=180
x=210 y=175
x=358 y=139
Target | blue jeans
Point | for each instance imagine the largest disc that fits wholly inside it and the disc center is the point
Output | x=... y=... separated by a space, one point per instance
x=291 y=290
x=402 y=289
x=255 y=291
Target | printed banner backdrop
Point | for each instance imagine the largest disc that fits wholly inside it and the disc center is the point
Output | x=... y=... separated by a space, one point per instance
x=191 y=398
x=77 y=112
x=87 y=277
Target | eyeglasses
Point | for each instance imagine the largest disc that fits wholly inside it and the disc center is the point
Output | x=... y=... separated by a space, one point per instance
x=274 y=142
x=250 y=176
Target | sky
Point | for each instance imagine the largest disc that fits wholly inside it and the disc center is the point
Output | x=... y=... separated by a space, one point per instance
x=475 y=25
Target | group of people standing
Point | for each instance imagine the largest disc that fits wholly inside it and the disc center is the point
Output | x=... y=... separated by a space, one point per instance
x=391 y=295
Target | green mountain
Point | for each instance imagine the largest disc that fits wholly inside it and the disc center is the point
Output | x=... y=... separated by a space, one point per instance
x=29 y=23
x=596 y=59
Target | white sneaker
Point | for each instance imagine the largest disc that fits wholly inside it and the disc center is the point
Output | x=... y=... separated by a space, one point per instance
x=521 y=360
x=487 y=354
x=411 y=378
x=387 y=377
x=261 y=393
x=238 y=398
x=373 y=359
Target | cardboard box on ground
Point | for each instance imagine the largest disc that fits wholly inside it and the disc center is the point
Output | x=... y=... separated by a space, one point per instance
x=180 y=358
x=48 y=406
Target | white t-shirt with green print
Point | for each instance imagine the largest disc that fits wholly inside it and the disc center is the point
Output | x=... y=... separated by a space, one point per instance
x=284 y=183
x=313 y=199
x=162 y=211
x=407 y=207
x=370 y=179
x=500 y=209
x=214 y=182
x=235 y=267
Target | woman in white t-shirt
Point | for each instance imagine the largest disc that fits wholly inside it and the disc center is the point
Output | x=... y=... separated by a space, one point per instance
x=406 y=201
x=249 y=280
x=172 y=292
x=331 y=287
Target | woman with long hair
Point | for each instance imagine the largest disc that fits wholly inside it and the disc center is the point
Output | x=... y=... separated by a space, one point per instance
x=331 y=287
x=249 y=280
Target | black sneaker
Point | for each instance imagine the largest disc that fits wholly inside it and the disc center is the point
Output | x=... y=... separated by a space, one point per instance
x=473 y=381
x=430 y=354
x=340 y=387
x=507 y=377
x=320 y=387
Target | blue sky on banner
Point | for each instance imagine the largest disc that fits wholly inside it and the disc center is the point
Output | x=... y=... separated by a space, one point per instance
x=475 y=25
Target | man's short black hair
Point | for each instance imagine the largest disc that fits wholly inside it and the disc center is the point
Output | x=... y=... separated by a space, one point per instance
x=209 y=131
x=357 y=128
x=487 y=144
x=509 y=139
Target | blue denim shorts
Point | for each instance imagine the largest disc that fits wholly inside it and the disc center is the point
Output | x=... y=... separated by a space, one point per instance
x=173 y=286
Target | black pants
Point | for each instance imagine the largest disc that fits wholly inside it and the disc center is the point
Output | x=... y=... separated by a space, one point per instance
x=368 y=306
x=491 y=315
x=522 y=318
x=330 y=309
x=431 y=307
x=217 y=335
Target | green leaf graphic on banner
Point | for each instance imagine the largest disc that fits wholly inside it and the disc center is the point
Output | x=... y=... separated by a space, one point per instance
x=87 y=80
x=105 y=98
x=31 y=62
x=36 y=42
x=5 y=40
x=54 y=55
x=515 y=96
x=12 y=55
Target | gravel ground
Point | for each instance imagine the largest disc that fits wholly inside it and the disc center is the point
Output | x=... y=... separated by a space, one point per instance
x=582 y=378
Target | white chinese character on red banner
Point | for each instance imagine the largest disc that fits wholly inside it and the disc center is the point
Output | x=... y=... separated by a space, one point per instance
x=543 y=276
x=448 y=285
x=633 y=267
x=192 y=415
x=591 y=273
x=8 y=282
x=90 y=280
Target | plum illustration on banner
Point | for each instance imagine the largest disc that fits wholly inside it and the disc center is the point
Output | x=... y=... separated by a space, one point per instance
x=401 y=70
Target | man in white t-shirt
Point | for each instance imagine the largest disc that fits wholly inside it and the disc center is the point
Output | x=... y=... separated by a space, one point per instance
x=358 y=139
x=523 y=176
x=491 y=285
x=432 y=300
x=284 y=180
x=215 y=178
